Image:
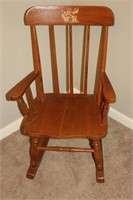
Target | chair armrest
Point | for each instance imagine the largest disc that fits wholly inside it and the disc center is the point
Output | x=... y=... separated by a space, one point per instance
x=108 y=91
x=18 y=90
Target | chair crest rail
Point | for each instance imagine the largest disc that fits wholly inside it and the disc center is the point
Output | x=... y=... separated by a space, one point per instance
x=69 y=15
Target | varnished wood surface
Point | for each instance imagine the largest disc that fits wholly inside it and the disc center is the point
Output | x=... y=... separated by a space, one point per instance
x=66 y=149
x=87 y=15
x=37 y=63
x=66 y=117
x=69 y=115
x=108 y=91
x=18 y=90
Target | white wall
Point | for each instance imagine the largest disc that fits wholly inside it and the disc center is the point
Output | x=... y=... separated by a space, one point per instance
x=16 y=59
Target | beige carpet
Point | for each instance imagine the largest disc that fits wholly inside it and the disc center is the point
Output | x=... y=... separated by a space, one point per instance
x=68 y=176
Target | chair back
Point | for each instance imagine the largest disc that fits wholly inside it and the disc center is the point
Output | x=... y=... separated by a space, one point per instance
x=74 y=20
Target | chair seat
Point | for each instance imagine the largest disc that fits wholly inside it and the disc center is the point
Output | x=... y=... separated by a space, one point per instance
x=64 y=116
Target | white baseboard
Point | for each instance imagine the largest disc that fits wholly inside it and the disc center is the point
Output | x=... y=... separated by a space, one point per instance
x=114 y=114
x=10 y=128
x=121 y=118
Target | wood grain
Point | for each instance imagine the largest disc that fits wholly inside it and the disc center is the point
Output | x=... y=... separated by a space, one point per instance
x=66 y=115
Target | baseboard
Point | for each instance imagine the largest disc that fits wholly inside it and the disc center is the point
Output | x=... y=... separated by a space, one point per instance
x=121 y=118
x=114 y=114
x=10 y=128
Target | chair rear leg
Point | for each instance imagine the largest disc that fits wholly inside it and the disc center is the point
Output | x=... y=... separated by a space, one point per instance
x=98 y=158
x=35 y=155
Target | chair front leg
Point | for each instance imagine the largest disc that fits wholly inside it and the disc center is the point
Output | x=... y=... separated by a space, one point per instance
x=35 y=155
x=98 y=158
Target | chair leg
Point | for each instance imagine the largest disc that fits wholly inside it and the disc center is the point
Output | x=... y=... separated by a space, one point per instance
x=98 y=158
x=35 y=155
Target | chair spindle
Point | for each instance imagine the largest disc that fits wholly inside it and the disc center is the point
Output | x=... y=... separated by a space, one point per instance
x=54 y=60
x=23 y=107
x=70 y=58
x=30 y=100
x=37 y=64
x=101 y=64
x=86 y=57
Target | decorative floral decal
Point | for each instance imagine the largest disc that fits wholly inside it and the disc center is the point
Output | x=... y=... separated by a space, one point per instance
x=70 y=15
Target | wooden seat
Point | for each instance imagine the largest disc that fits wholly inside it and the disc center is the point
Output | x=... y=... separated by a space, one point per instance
x=66 y=115
x=72 y=117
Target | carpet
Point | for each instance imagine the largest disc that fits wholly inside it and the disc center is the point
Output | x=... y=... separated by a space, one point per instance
x=68 y=176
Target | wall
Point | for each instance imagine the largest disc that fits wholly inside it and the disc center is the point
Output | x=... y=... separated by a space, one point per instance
x=16 y=59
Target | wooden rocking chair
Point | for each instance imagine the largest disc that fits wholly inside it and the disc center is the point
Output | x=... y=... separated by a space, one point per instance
x=67 y=114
